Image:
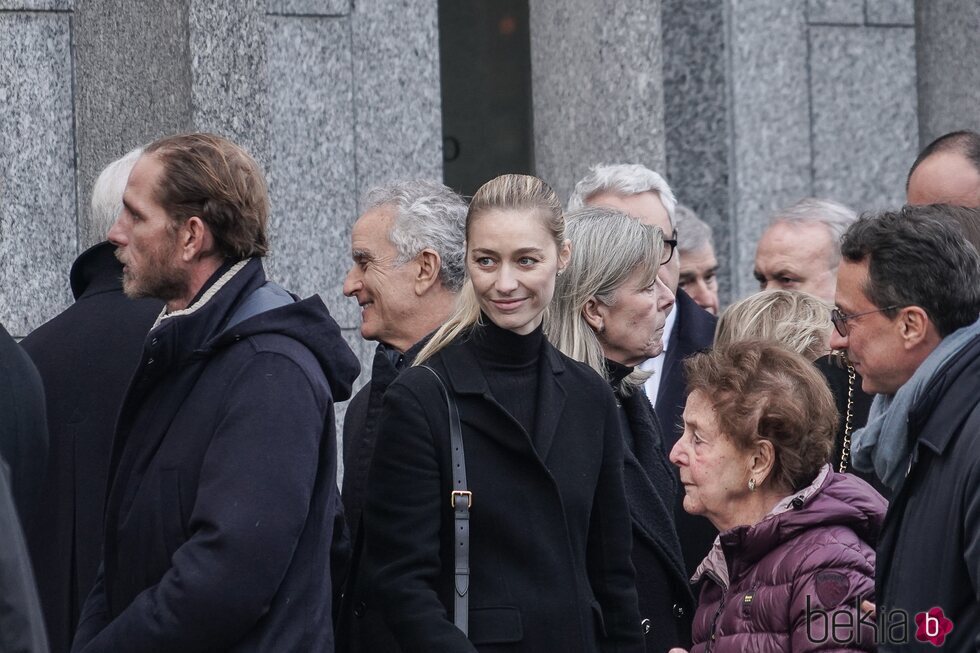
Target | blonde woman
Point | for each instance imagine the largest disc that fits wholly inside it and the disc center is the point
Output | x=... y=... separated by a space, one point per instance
x=549 y=534
x=801 y=322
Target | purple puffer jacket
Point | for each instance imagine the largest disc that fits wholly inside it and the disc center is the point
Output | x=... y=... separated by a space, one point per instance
x=783 y=583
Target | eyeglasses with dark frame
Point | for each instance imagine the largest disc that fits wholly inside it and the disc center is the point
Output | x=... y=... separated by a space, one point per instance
x=840 y=319
x=670 y=244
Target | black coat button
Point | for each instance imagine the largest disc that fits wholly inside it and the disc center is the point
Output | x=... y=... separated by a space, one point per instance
x=645 y=625
x=679 y=611
x=359 y=609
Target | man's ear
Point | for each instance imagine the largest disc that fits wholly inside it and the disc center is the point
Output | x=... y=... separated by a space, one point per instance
x=593 y=314
x=194 y=240
x=429 y=264
x=914 y=326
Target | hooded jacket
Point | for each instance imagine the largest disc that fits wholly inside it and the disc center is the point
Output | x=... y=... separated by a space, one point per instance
x=776 y=585
x=221 y=506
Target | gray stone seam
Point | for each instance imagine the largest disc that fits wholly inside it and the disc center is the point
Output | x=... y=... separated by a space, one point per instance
x=293 y=14
x=809 y=106
x=74 y=133
x=860 y=26
x=36 y=11
x=353 y=107
x=733 y=188
x=864 y=11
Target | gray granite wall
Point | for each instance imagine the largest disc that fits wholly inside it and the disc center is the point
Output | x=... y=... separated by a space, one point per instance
x=819 y=99
x=948 y=63
x=330 y=98
x=597 y=79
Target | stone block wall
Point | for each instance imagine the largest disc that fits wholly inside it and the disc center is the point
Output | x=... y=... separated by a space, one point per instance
x=330 y=97
x=773 y=100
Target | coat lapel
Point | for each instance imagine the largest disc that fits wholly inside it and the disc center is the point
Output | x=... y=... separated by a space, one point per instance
x=551 y=400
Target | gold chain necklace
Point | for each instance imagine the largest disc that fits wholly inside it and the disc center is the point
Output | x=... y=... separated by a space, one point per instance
x=845 y=452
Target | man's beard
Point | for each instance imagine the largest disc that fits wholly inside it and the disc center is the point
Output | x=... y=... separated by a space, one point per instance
x=159 y=278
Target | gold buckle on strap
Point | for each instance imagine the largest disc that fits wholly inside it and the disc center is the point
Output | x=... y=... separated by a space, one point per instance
x=461 y=493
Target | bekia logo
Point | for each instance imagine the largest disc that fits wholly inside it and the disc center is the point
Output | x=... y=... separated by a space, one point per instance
x=932 y=626
x=850 y=624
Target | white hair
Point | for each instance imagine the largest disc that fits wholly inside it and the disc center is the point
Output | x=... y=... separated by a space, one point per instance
x=427 y=215
x=107 y=194
x=810 y=210
x=693 y=233
x=623 y=179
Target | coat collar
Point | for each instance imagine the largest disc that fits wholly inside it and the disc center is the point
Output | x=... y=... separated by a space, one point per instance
x=95 y=271
x=465 y=376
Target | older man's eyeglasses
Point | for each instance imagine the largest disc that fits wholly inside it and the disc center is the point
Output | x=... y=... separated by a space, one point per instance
x=670 y=244
x=840 y=319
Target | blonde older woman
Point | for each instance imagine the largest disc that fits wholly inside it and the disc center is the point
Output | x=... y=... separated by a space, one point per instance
x=609 y=311
x=796 y=538
x=802 y=323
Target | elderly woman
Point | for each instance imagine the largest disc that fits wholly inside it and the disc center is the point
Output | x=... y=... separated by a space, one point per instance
x=609 y=311
x=795 y=552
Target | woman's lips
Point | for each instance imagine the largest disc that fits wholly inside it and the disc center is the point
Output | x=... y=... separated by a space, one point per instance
x=508 y=304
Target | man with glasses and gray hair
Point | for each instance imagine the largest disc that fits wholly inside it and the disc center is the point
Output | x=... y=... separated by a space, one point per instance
x=645 y=195
x=408 y=265
x=908 y=297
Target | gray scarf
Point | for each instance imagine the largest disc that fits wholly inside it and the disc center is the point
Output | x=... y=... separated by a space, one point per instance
x=883 y=446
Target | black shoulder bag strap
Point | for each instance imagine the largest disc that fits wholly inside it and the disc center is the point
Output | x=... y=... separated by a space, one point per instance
x=461 y=500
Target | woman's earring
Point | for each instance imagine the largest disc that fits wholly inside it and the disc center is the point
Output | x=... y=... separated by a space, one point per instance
x=751 y=485
x=560 y=272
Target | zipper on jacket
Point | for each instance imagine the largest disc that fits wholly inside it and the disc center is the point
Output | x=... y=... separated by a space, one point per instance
x=721 y=606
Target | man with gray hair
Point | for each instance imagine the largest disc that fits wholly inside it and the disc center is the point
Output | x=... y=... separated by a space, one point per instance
x=645 y=195
x=699 y=266
x=86 y=357
x=407 y=248
x=800 y=250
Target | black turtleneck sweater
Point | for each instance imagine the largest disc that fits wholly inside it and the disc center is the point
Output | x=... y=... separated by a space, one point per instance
x=510 y=364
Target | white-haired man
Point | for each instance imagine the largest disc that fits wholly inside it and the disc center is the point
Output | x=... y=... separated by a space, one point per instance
x=407 y=247
x=99 y=336
x=645 y=195
x=800 y=250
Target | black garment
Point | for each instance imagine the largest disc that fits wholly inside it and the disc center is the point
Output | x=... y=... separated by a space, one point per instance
x=510 y=365
x=86 y=357
x=358 y=630
x=221 y=507
x=929 y=551
x=23 y=427
x=21 y=621
x=666 y=602
x=694 y=331
x=837 y=378
x=549 y=529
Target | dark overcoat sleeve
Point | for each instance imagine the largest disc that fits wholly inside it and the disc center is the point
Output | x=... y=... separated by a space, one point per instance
x=255 y=488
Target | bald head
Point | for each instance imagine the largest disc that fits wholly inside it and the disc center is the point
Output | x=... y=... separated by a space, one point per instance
x=947 y=171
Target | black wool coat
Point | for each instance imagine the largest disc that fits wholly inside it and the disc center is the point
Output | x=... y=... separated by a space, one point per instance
x=666 y=602
x=221 y=507
x=86 y=356
x=549 y=528
x=360 y=630
x=694 y=331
